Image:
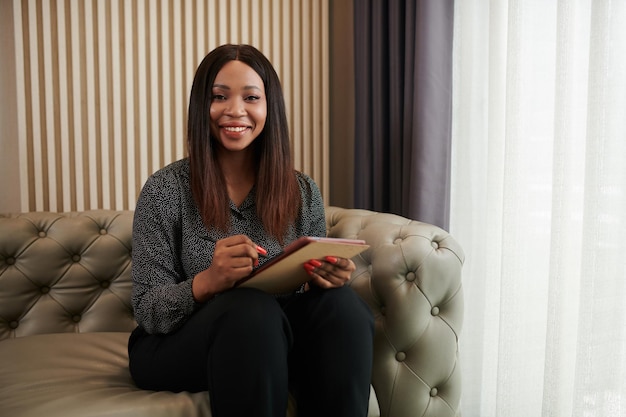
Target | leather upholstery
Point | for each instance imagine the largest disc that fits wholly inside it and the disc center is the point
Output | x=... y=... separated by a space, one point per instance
x=65 y=273
x=65 y=316
x=411 y=278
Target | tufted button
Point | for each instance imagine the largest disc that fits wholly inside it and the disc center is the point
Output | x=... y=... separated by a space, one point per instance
x=44 y=290
x=42 y=234
x=76 y=318
x=105 y=284
x=10 y=260
x=434 y=311
x=400 y=356
x=434 y=392
x=434 y=244
x=397 y=241
x=13 y=324
x=103 y=231
x=383 y=310
x=410 y=276
x=76 y=258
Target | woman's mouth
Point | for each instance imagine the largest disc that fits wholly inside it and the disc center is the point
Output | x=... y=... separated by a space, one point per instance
x=235 y=129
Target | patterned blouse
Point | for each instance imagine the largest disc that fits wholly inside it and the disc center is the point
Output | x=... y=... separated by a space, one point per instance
x=169 y=249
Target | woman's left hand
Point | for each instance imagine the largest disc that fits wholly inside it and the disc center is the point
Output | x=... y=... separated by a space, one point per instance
x=330 y=272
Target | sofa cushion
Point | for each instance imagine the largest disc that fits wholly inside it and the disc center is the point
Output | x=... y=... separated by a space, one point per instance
x=86 y=375
x=82 y=375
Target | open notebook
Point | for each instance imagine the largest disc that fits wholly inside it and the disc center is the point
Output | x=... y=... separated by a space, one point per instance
x=285 y=272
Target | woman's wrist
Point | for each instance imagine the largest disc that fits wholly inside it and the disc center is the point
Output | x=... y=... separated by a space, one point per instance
x=201 y=287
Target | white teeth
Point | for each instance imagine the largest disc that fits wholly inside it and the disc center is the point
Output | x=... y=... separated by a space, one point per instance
x=235 y=128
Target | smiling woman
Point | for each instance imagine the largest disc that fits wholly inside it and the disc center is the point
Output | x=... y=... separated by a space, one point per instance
x=238 y=86
x=238 y=108
x=238 y=187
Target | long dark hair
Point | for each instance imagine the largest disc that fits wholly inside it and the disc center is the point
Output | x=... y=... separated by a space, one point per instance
x=277 y=191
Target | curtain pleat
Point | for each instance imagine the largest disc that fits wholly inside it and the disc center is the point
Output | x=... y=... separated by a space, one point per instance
x=538 y=202
x=403 y=110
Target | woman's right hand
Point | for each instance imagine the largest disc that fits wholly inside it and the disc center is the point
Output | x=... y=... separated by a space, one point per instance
x=233 y=259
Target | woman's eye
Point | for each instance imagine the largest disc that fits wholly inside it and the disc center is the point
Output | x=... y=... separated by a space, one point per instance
x=252 y=98
x=218 y=97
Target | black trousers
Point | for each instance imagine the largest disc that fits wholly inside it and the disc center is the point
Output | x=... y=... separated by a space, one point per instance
x=248 y=349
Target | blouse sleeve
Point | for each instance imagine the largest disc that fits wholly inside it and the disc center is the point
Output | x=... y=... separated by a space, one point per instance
x=312 y=216
x=161 y=296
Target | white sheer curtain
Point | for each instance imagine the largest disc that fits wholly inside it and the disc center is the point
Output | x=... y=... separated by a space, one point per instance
x=539 y=205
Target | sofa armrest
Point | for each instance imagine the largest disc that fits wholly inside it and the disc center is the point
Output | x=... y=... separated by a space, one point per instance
x=411 y=279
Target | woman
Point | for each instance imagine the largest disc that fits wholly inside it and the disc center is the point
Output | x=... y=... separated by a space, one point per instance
x=202 y=223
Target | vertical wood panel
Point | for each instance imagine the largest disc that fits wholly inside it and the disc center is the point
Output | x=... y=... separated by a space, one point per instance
x=103 y=88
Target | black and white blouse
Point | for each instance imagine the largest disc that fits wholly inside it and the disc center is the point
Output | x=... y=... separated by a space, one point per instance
x=169 y=249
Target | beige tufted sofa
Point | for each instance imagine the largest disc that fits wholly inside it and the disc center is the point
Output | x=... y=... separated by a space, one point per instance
x=65 y=316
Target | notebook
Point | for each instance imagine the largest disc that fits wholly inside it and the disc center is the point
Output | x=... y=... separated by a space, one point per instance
x=285 y=272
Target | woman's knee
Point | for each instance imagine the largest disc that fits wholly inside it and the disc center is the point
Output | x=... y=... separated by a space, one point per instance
x=347 y=306
x=244 y=306
x=246 y=313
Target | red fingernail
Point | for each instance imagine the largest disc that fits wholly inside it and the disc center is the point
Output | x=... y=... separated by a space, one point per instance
x=331 y=259
x=309 y=268
x=256 y=262
x=261 y=250
x=315 y=263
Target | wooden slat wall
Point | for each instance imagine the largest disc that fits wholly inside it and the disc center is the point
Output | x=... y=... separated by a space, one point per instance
x=103 y=88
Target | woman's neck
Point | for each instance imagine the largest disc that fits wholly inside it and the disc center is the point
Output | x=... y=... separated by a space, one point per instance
x=239 y=174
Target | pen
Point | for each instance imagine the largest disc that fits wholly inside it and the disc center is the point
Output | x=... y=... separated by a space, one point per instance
x=262 y=252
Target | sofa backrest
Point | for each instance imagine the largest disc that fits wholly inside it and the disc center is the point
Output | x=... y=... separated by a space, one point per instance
x=65 y=272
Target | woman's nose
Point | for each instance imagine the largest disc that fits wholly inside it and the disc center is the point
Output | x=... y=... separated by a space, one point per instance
x=235 y=107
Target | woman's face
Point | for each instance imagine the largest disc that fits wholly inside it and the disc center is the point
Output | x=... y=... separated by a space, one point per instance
x=238 y=106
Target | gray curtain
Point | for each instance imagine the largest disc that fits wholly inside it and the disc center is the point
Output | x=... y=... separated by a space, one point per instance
x=403 y=107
